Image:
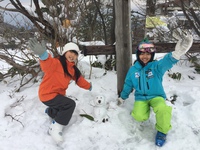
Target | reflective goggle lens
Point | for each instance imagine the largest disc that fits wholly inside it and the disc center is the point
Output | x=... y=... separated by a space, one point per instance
x=147 y=48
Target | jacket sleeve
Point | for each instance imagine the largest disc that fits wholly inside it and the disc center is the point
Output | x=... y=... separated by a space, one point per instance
x=49 y=64
x=83 y=83
x=166 y=63
x=128 y=85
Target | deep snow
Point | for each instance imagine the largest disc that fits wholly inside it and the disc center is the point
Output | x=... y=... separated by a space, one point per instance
x=27 y=130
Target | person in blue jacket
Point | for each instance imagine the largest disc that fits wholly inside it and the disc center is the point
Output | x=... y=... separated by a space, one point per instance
x=145 y=77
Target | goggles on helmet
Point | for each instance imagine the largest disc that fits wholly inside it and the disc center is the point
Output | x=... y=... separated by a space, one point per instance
x=146 y=48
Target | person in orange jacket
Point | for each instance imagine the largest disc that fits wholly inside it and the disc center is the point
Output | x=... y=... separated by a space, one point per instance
x=58 y=72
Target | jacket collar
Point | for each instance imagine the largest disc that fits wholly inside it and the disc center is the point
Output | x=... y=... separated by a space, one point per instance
x=70 y=64
x=139 y=66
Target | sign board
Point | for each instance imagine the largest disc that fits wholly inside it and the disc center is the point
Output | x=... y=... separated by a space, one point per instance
x=152 y=22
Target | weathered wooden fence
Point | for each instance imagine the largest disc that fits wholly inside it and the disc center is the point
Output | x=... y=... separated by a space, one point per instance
x=110 y=49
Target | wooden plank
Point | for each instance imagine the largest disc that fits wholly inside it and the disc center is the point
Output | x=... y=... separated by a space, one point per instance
x=98 y=50
x=168 y=47
x=110 y=49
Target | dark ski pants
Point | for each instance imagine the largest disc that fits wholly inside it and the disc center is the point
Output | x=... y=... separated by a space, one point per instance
x=61 y=109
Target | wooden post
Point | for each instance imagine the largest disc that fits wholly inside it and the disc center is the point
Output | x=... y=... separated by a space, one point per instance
x=123 y=40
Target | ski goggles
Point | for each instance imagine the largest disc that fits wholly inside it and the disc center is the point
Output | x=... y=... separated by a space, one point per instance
x=146 y=48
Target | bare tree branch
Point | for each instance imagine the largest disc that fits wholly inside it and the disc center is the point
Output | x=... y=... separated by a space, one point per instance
x=15 y=118
x=185 y=11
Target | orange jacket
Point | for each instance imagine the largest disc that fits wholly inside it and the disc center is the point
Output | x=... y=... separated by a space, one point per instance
x=55 y=81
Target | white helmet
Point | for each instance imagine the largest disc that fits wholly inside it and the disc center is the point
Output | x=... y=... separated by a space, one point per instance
x=70 y=46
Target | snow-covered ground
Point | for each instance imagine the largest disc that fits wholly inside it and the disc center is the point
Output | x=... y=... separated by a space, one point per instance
x=24 y=125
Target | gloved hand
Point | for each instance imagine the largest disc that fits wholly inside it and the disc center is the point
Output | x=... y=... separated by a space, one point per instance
x=38 y=48
x=120 y=101
x=182 y=46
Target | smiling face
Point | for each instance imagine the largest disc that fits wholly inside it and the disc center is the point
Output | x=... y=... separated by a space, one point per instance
x=145 y=57
x=71 y=56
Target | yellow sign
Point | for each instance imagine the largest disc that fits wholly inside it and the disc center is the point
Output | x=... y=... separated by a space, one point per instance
x=152 y=22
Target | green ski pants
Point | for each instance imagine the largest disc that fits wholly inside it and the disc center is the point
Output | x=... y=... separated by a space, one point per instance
x=141 y=112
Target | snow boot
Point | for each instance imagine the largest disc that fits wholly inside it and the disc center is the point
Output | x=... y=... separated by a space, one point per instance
x=55 y=131
x=160 y=139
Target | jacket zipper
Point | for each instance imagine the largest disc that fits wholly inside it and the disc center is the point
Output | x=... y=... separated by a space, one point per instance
x=147 y=85
x=144 y=79
x=139 y=83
